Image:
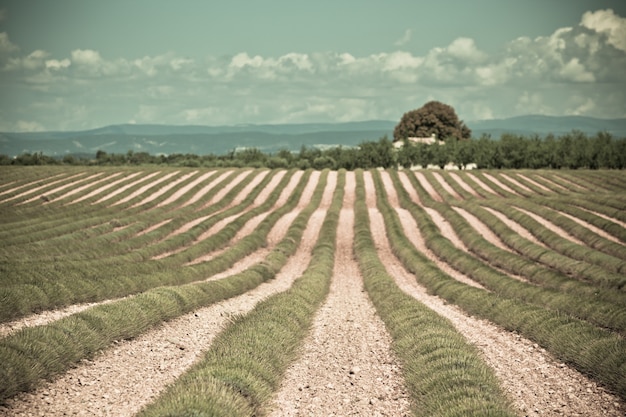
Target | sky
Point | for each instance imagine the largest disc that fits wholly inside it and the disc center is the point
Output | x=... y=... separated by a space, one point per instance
x=84 y=64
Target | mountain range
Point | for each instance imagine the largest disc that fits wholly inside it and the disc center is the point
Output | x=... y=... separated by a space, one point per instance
x=201 y=140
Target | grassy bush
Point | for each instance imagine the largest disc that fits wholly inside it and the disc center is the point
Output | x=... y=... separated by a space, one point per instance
x=35 y=353
x=243 y=368
x=112 y=277
x=445 y=375
x=560 y=293
x=592 y=350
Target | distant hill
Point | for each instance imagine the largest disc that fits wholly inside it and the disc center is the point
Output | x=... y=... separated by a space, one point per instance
x=201 y=140
x=543 y=125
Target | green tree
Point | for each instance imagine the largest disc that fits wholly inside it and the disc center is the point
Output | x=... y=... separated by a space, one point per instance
x=376 y=154
x=435 y=118
x=464 y=153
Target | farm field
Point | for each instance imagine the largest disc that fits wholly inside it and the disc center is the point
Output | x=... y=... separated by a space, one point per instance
x=178 y=291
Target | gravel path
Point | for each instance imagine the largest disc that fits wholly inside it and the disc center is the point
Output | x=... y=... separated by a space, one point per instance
x=105 y=187
x=481 y=183
x=536 y=382
x=447 y=187
x=551 y=226
x=500 y=184
x=464 y=185
x=428 y=186
x=412 y=231
x=132 y=373
x=346 y=367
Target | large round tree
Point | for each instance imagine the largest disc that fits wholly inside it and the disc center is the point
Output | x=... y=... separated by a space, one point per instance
x=433 y=117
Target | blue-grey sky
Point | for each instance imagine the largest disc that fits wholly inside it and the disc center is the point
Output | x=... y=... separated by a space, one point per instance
x=80 y=64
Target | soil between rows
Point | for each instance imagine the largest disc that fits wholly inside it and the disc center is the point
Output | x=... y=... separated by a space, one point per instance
x=346 y=365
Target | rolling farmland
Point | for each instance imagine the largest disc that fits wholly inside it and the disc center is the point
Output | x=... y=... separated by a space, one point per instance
x=163 y=291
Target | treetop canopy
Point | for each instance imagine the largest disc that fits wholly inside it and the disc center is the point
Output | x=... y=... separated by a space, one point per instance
x=435 y=118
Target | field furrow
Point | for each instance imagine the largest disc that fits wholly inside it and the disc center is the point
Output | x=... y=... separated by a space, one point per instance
x=131 y=373
x=156 y=291
x=535 y=381
x=346 y=367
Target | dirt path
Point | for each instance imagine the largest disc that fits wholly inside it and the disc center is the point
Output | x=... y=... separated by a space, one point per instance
x=428 y=186
x=590 y=226
x=500 y=184
x=482 y=229
x=222 y=193
x=132 y=373
x=145 y=188
x=535 y=183
x=105 y=187
x=550 y=226
x=202 y=192
x=537 y=383
x=446 y=229
x=464 y=185
x=481 y=184
x=63 y=187
x=84 y=187
x=516 y=227
x=185 y=189
x=517 y=183
x=30 y=184
x=126 y=187
x=280 y=228
x=446 y=186
x=153 y=196
x=346 y=367
x=253 y=223
x=30 y=191
x=412 y=231
x=274 y=237
x=44 y=317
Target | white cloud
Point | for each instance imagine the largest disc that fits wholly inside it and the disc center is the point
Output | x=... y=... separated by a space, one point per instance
x=406 y=37
x=242 y=60
x=581 y=106
x=33 y=61
x=6 y=46
x=179 y=63
x=295 y=61
x=87 y=57
x=607 y=22
x=28 y=126
x=465 y=50
x=56 y=64
x=575 y=71
x=200 y=114
x=532 y=103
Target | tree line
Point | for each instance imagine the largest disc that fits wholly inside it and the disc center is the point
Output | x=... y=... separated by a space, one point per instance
x=574 y=150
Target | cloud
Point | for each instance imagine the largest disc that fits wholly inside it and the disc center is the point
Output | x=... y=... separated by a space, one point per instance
x=6 y=46
x=87 y=57
x=56 y=64
x=465 y=50
x=406 y=37
x=33 y=61
x=608 y=23
x=28 y=126
x=574 y=70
